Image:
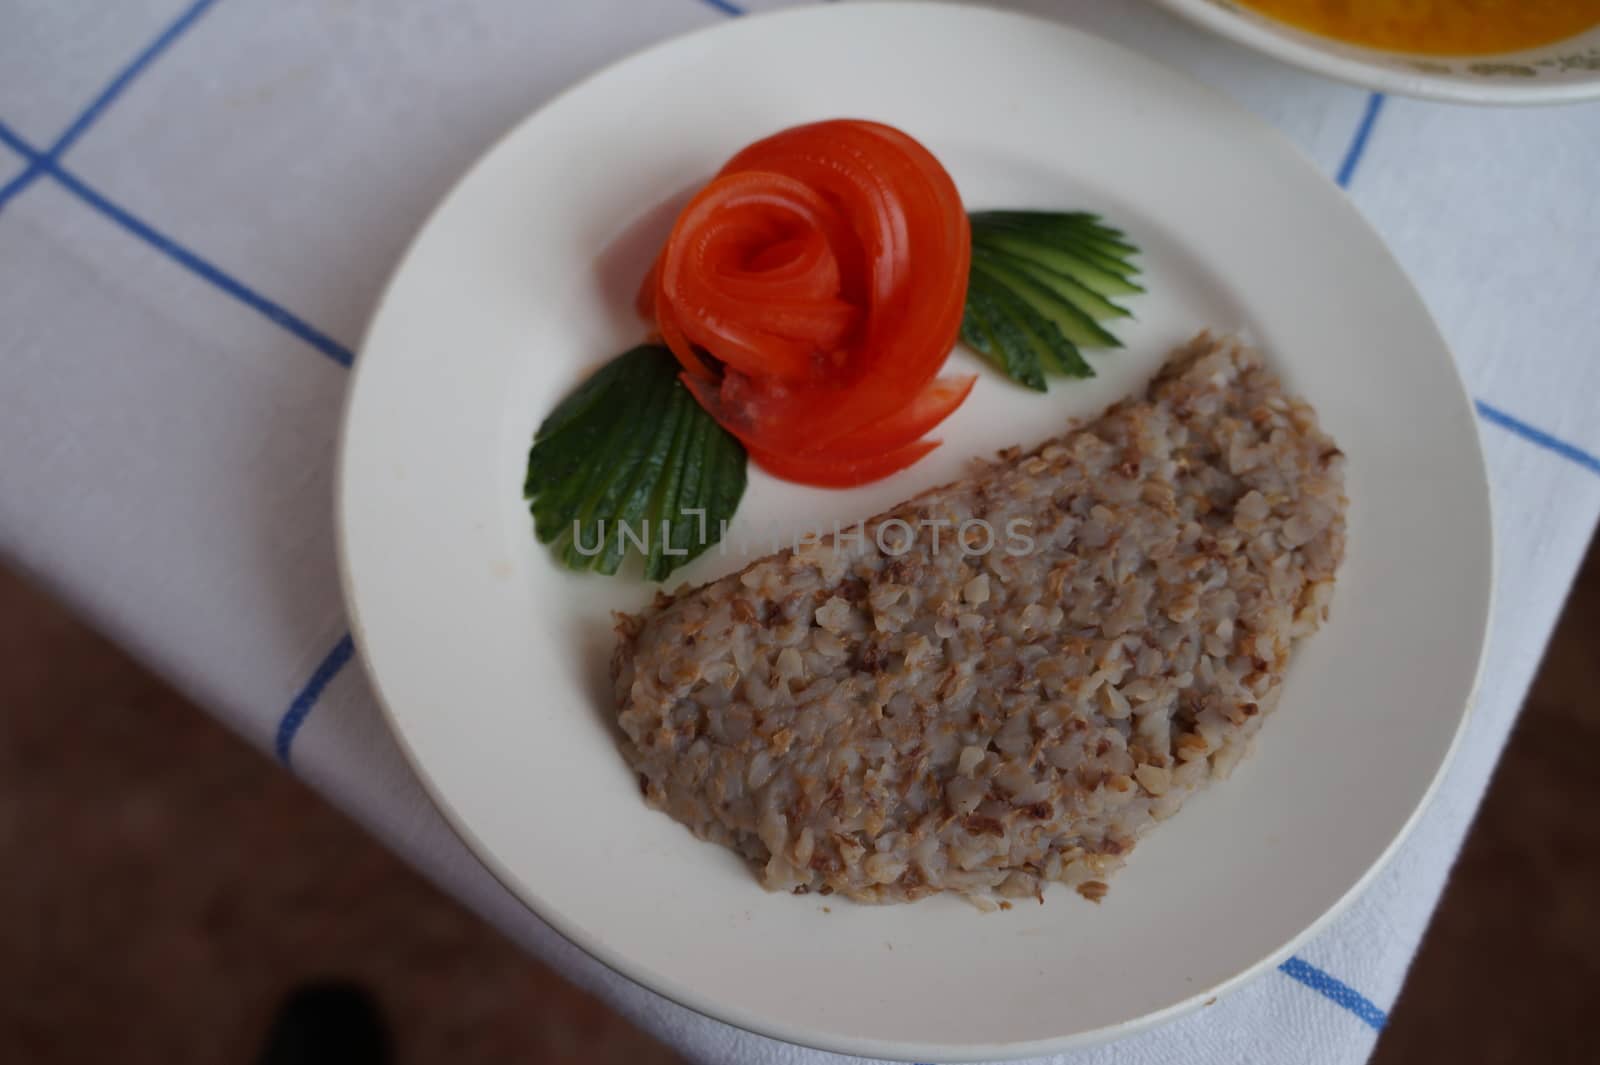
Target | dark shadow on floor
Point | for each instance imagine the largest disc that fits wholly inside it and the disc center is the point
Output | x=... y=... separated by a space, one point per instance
x=163 y=887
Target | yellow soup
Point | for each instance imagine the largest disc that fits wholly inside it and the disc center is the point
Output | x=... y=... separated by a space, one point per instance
x=1438 y=27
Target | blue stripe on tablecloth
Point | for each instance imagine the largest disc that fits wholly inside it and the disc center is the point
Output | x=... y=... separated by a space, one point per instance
x=16 y=143
x=1489 y=412
x=205 y=270
x=1338 y=991
x=180 y=254
x=724 y=6
x=30 y=170
x=1539 y=437
x=1358 y=144
x=124 y=79
x=36 y=163
x=307 y=697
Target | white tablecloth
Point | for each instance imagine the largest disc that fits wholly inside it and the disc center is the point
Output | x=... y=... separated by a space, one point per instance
x=199 y=202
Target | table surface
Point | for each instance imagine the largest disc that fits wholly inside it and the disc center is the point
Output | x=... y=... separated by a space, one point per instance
x=199 y=203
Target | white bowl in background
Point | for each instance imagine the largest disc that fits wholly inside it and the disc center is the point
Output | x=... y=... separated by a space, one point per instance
x=1564 y=72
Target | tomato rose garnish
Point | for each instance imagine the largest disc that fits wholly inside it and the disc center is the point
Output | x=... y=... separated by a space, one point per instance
x=824 y=271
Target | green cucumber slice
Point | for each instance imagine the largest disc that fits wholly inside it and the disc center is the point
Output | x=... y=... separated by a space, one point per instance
x=557 y=508
x=1010 y=348
x=1076 y=264
x=1086 y=229
x=663 y=504
x=666 y=414
x=1085 y=299
x=1099 y=255
x=1071 y=322
x=1052 y=346
x=975 y=334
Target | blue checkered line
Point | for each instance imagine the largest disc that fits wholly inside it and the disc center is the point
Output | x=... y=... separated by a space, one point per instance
x=1358 y=143
x=42 y=164
x=307 y=697
x=727 y=7
x=37 y=162
x=46 y=163
x=1304 y=972
x=1538 y=437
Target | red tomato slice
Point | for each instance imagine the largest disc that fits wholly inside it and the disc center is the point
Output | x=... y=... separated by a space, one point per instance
x=781 y=327
x=913 y=233
x=841 y=473
x=936 y=402
x=825 y=268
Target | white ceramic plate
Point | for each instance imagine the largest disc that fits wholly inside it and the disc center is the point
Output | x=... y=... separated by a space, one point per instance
x=492 y=662
x=1565 y=71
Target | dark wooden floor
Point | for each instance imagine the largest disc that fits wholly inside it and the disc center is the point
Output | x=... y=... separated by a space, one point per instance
x=1510 y=969
x=161 y=886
